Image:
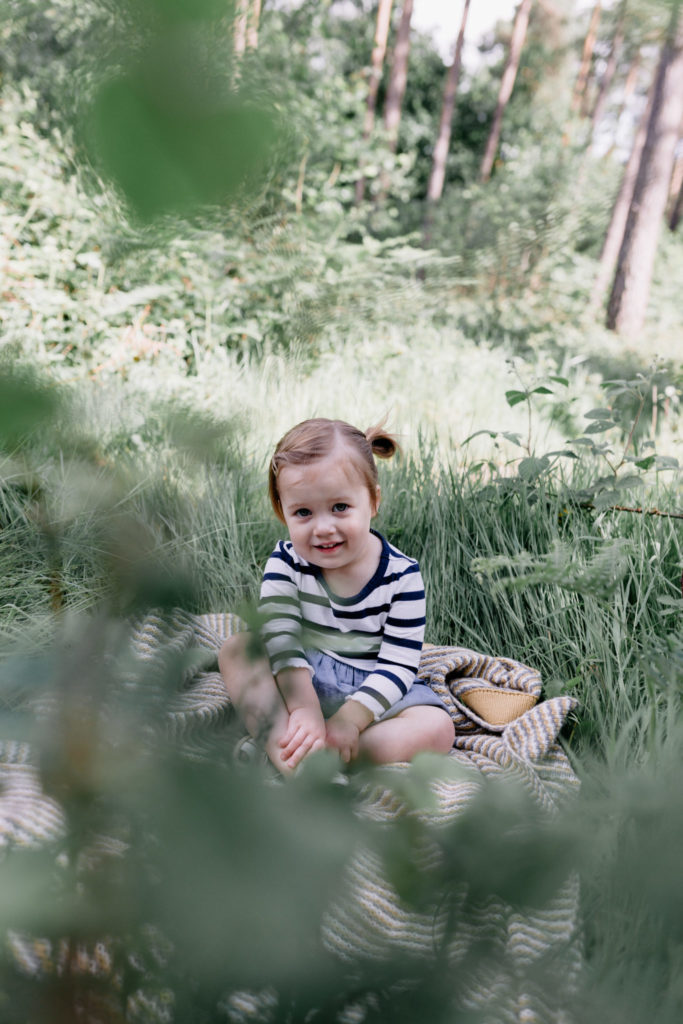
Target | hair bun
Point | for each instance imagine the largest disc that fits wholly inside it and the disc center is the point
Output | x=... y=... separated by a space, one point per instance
x=384 y=445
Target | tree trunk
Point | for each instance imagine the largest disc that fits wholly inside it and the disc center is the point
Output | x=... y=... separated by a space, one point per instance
x=506 y=85
x=606 y=82
x=677 y=208
x=676 y=185
x=253 y=24
x=627 y=306
x=399 y=76
x=240 y=29
x=438 y=173
x=377 y=62
x=586 y=56
x=245 y=32
x=622 y=204
x=629 y=85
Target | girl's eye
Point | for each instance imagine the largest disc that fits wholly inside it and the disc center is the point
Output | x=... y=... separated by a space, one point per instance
x=341 y=506
x=301 y=513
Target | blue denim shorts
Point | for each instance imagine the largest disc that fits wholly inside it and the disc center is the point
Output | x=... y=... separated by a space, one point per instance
x=334 y=680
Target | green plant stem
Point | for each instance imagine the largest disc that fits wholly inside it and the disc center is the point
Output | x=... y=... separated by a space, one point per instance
x=641 y=511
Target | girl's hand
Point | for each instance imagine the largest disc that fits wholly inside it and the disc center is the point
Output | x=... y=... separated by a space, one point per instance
x=345 y=726
x=305 y=733
x=343 y=735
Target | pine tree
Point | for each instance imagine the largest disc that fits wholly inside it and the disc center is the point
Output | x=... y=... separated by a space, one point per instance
x=630 y=293
x=399 y=75
x=506 y=86
x=581 y=83
x=438 y=172
x=376 y=64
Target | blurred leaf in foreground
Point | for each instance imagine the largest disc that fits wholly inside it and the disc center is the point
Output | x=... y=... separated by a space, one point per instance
x=167 y=125
x=26 y=406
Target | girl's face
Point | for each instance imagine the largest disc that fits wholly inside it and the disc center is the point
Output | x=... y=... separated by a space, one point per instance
x=327 y=509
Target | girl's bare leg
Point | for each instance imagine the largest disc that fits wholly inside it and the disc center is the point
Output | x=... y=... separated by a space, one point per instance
x=255 y=696
x=420 y=728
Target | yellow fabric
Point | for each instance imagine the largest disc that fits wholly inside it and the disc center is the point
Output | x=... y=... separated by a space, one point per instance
x=500 y=706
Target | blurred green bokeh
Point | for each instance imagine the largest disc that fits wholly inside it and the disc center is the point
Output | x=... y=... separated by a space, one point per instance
x=167 y=123
x=26 y=406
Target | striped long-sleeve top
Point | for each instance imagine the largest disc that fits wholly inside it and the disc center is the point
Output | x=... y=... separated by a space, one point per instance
x=380 y=630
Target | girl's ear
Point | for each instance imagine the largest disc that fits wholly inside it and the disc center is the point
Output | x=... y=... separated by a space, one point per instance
x=378 y=498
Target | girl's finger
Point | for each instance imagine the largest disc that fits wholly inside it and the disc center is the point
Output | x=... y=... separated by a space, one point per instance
x=293 y=744
x=302 y=748
x=307 y=747
x=291 y=735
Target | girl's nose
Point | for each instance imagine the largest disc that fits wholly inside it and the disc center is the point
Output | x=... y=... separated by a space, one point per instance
x=324 y=525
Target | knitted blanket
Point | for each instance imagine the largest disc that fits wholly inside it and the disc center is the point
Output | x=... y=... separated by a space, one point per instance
x=503 y=732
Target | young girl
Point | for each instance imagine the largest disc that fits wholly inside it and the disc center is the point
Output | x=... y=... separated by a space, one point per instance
x=344 y=614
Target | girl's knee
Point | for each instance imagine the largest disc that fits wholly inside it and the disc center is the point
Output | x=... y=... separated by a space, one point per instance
x=431 y=728
x=436 y=728
x=233 y=651
x=444 y=732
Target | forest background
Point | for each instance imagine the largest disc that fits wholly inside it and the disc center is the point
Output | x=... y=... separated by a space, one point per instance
x=216 y=222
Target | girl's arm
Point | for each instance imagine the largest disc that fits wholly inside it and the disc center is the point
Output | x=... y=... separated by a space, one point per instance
x=399 y=655
x=281 y=633
x=306 y=726
x=281 y=612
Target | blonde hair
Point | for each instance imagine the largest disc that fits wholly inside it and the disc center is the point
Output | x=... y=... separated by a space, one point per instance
x=316 y=438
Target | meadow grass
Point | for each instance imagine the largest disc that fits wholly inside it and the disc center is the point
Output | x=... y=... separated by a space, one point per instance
x=444 y=381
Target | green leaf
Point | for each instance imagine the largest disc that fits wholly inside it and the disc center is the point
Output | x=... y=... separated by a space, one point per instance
x=172 y=140
x=542 y=390
x=564 y=452
x=477 y=433
x=515 y=397
x=513 y=437
x=605 y=499
x=616 y=391
x=598 y=427
x=26 y=406
x=602 y=449
x=624 y=482
x=531 y=468
x=599 y=414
